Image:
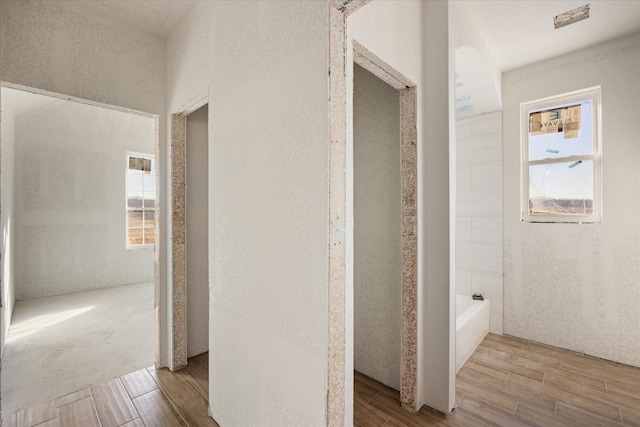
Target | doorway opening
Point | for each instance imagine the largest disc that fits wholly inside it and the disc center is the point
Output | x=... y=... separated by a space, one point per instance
x=190 y=235
x=197 y=225
x=80 y=229
x=377 y=229
x=385 y=225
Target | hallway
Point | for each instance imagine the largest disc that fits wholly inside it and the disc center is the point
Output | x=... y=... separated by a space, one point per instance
x=507 y=382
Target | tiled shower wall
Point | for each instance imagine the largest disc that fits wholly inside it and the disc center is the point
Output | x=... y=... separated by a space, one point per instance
x=479 y=210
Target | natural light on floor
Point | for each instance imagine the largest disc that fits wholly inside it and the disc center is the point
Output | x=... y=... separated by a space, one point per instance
x=27 y=327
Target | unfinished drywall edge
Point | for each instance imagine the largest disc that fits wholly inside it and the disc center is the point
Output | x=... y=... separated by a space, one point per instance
x=376 y=66
x=336 y=405
x=178 y=174
x=337 y=216
x=409 y=367
x=178 y=242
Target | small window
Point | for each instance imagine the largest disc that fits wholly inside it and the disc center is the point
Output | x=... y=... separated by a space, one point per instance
x=561 y=158
x=141 y=200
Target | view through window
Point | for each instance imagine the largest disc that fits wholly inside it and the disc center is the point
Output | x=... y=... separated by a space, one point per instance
x=141 y=199
x=561 y=158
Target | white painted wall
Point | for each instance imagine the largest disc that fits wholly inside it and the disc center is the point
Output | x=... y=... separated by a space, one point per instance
x=419 y=50
x=268 y=133
x=197 y=239
x=8 y=217
x=479 y=210
x=377 y=229
x=71 y=196
x=571 y=285
x=60 y=47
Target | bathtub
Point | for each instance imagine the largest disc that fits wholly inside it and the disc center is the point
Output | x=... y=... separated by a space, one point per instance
x=472 y=324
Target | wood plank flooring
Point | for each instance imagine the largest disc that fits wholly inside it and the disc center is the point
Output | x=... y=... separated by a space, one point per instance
x=147 y=397
x=514 y=382
x=507 y=382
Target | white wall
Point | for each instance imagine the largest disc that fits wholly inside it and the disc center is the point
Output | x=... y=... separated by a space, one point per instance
x=197 y=238
x=419 y=50
x=377 y=229
x=571 y=285
x=268 y=133
x=8 y=217
x=70 y=198
x=479 y=210
x=60 y=47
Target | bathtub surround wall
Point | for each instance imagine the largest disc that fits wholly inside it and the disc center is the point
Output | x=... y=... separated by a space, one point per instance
x=377 y=229
x=479 y=210
x=576 y=286
x=70 y=198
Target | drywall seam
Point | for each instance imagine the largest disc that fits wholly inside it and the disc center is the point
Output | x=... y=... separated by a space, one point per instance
x=178 y=241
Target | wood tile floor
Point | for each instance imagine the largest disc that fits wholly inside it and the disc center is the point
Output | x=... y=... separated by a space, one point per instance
x=147 y=397
x=507 y=382
x=513 y=382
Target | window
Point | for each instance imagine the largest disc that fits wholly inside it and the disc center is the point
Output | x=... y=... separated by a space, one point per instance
x=141 y=200
x=561 y=158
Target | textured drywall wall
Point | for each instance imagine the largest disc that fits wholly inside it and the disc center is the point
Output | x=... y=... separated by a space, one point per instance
x=197 y=236
x=268 y=133
x=70 y=198
x=49 y=46
x=377 y=228
x=479 y=210
x=188 y=59
x=577 y=286
x=7 y=269
x=420 y=53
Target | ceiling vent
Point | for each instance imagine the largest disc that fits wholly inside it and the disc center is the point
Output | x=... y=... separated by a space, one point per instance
x=571 y=17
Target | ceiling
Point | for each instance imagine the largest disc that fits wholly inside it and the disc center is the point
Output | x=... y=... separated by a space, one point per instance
x=514 y=32
x=521 y=32
x=156 y=16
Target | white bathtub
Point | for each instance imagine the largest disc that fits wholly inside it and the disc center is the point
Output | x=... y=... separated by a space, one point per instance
x=472 y=324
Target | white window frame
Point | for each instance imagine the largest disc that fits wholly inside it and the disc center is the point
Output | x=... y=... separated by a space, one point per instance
x=126 y=201
x=593 y=93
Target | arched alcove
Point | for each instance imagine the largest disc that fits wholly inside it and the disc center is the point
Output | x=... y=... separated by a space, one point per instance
x=476 y=90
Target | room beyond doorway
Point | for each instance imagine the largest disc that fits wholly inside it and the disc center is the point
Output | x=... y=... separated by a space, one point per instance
x=72 y=216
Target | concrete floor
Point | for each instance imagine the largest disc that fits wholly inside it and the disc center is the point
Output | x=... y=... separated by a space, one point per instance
x=61 y=344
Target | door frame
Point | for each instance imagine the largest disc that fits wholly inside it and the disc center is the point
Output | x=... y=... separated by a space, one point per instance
x=158 y=340
x=178 y=247
x=341 y=232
